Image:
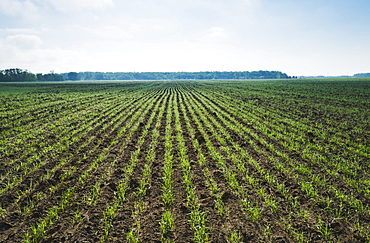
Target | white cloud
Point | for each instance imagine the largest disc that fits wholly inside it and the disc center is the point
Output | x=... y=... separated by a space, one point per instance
x=80 y=5
x=27 y=52
x=25 y=9
x=18 y=50
x=161 y=35
x=112 y=32
x=253 y=3
x=24 y=42
x=215 y=34
x=14 y=31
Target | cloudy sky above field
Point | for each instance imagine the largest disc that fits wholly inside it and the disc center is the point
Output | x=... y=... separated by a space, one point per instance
x=298 y=37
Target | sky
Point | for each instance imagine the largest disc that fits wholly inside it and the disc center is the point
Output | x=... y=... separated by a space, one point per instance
x=297 y=37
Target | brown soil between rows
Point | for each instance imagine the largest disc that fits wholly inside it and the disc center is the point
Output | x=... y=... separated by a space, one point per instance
x=89 y=227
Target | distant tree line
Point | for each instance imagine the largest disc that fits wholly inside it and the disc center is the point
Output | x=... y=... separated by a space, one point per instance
x=16 y=75
x=20 y=75
x=49 y=77
x=173 y=75
x=362 y=75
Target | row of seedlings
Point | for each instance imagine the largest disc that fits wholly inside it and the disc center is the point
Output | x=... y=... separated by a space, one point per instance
x=239 y=157
x=68 y=137
x=120 y=197
x=321 y=157
x=167 y=222
x=306 y=186
x=197 y=215
x=85 y=174
x=134 y=233
x=229 y=232
x=114 y=154
x=64 y=160
x=229 y=172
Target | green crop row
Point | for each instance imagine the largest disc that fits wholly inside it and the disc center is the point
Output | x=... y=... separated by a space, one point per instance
x=185 y=161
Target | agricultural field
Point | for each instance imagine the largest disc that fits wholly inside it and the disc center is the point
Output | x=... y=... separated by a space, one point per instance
x=185 y=161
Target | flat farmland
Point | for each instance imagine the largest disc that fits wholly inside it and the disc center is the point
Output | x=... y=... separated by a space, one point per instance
x=185 y=161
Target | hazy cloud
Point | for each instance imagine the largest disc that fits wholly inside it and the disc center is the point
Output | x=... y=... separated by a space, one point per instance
x=25 y=9
x=79 y=5
x=215 y=34
x=24 y=42
x=297 y=37
x=18 y=50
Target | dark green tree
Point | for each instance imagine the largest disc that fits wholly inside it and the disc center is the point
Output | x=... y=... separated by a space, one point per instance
x=73 y=76
x=16 y=75
x=49 y=77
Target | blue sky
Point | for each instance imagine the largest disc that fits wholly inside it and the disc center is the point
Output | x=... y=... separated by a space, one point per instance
x=322 y=37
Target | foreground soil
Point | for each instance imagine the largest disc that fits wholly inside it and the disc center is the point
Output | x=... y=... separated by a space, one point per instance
x=249 y=161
